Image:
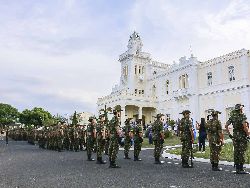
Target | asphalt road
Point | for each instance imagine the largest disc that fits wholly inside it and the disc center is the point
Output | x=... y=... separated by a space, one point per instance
x=24 y=165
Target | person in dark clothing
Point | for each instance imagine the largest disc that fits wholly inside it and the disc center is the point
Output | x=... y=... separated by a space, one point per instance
x=202 y=133
x=7 y=138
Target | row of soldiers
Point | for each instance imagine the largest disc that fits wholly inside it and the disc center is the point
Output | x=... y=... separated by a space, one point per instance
x=62 y=137
x=240 y=137
x=107 y=134
x=104 y=136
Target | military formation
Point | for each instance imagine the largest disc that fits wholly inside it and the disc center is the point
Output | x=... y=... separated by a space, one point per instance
x=102 y=136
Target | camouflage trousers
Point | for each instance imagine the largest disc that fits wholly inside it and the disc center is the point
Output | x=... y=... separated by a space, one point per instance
x=100 y=147
x=137 y=147
x=107 y=146
x=214 y=153
x=186 y=149
x=127 y=145
x=158 y=148
x=60 y=144
x=76 y=144
x=82 y=143
x=240 y=147
x=113 y=148
x=89 y=145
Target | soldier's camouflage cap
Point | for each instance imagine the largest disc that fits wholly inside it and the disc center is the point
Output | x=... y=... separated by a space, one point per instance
x=139 y=120
x=101 y=116
x=91 y=118
x=215 y=112
x=127 y=120
x=158 y=116
x=117 y=109
x=185 y=112
x=238 y=106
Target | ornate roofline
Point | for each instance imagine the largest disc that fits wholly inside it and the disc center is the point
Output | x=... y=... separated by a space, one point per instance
x=226 y=57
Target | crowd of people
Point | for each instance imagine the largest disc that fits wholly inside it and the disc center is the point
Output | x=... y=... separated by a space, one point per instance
x=104 y=137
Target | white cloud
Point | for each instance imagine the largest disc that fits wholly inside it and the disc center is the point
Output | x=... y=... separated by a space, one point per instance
x=63 y=54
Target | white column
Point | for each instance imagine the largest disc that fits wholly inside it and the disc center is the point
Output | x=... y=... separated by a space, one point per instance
x=140 y=112
x=123 y=118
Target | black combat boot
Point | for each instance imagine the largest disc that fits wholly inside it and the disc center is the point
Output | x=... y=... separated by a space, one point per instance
x=90 y=158
x=100 y=161
x=157 y=161
x=212 y=163
x=113 y=165
x=136 y=158
x=126 y=156
x=240 y=170
x=185 y=164
x=216 y=168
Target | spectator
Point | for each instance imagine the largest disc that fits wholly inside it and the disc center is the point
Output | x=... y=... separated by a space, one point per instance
x=7 y=136
x=150 y=135
x=202 y=134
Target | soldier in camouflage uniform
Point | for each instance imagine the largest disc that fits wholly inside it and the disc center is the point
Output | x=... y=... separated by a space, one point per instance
x=215 y=138
x=127 y=140
x=100 y=139
x=76 y=139
x=240 y=135
x=59 y=139
x=91 y=135
x=82 y=137
x=138 y=139
x=187 y=137
x=158 y=137
x=114 y=128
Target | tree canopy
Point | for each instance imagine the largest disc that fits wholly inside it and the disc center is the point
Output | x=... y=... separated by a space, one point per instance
x=74 y=119
x=36 y=116
x=8 y=114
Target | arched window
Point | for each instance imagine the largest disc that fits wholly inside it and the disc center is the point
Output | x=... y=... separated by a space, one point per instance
x=209 y=79
x=180 y=82
x=183 y=81
x=231 y=73
x=167 y=87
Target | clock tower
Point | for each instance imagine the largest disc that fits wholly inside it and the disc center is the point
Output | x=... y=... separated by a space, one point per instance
x=134 y=65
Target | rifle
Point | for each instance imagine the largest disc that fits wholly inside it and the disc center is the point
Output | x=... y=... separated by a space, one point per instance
x=192 y=155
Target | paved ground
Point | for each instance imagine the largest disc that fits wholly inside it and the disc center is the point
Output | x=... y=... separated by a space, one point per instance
x=24 y=165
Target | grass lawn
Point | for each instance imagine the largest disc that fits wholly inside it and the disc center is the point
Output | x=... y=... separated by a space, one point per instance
x=226 y=153
x=171 y=141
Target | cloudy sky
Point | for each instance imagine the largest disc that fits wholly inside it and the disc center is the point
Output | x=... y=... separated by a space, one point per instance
x=63 y=54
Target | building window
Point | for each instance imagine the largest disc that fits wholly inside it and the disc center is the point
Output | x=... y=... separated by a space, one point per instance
x=142 y=92
x=180 y=83
x=209 y=79
x=142 y=70
x=139 y=69
x=139 y=92
x=135 y=69
x=167 y=87
x=231 y=73
x=183 y=81
x=135 y=91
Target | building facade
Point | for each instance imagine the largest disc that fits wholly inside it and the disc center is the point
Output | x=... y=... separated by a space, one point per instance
x=148 y=87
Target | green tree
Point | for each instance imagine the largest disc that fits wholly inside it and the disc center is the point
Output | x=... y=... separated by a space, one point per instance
x=74 y=119
x=8 y=114
x=36 y=116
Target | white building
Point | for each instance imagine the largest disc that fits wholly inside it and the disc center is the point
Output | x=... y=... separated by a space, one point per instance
x=148 y=87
